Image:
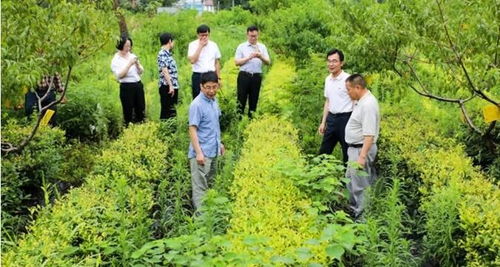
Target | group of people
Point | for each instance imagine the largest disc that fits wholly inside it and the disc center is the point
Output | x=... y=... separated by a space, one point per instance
x=351 y=117
x=350 y=113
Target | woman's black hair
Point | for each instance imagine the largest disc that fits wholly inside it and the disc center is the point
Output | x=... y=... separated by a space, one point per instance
x=122 y=41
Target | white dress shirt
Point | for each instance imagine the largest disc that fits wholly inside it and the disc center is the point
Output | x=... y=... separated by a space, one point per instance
x=336 y=92
x=206 y=61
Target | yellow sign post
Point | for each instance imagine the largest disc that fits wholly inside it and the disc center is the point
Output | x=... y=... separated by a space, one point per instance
x=46 y=118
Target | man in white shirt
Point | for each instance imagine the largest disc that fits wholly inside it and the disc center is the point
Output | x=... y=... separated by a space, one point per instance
x=250 y=56
x=338 y=106
x=204 y=55
x=361 y=134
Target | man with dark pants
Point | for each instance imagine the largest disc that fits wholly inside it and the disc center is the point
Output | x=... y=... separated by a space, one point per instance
x=337 y=108
x=168 y=80
x=204 y=55
x=204 y=132
x=249 y=56
x=361 y=134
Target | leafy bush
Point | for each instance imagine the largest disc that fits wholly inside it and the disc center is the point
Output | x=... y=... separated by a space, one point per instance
x=23 y=174
x=450 y=185
x=300 y=29
x=386 y=229
x=105 y=220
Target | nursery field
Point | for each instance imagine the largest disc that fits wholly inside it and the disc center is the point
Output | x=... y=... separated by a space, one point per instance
x=89 y=191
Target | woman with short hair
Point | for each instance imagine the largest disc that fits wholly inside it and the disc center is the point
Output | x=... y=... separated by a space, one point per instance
x=127 y=70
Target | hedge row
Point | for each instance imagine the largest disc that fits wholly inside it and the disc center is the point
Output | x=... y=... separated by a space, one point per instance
x=106 y=219
x=461 y=205
x=273 y=222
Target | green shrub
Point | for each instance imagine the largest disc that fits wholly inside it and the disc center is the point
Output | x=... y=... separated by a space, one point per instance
x=106 y=219
x=23 y=174
x=449 y=185
x=386 y=230
x=93 y=112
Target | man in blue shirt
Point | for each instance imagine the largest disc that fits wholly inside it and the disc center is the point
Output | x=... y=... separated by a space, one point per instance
x=204 y=132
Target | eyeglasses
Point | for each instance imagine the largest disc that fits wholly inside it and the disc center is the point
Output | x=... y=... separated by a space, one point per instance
x=333 y=61
x=213 y=87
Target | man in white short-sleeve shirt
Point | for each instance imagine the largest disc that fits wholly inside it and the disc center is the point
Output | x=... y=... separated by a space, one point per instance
x=337 y=108
x=250 y=56
x=361 y=134
x=204 y=55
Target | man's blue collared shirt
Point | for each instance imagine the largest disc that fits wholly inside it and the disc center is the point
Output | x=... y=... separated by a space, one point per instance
x=204 y=113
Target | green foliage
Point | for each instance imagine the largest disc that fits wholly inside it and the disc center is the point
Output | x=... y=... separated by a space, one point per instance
x=385 y=229
x=301 y=29
x=266 y=6
x=235 y=16
x=42 y=37
x=22 y=174
x=271 y=217
x=322 y=178
x=105 y=220
x=272 y=222
x=90 y=114
x=450 y=185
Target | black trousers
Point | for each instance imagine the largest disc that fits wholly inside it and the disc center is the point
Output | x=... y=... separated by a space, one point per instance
x=167 y=102
x=133 y=103
x=248 y=88
x=335 y=133
x=195 y=83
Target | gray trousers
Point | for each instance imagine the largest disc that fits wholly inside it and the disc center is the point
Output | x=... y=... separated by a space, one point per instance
x=202 y=177
x=360 y=179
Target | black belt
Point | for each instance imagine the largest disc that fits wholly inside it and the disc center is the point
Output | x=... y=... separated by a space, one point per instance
x=250 y=73
x=355 y=145
x=340 y=114
x=131 y=82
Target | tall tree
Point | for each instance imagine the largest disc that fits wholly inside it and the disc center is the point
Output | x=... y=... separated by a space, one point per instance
x=41 y=37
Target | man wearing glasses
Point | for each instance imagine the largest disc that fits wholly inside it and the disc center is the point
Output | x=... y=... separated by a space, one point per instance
x=204 y=55
x=338 y=106
x=204 y=132
x=249 y=56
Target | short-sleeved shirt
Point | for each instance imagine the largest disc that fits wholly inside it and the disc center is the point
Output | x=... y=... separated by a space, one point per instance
x=244 y=50
x=206 y=61
x=336 y=92
x=204 y=113
x=119 y=63
x=165 y=60
x=364 y=120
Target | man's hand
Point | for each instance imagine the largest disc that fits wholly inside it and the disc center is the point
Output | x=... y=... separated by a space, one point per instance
x=171 y=90
x=200 y=158
x=222 y=150
x=362 y=161
x=321 y=129
x=203 y=42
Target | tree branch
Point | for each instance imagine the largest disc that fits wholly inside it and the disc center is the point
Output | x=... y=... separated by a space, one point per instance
x=459 y=58
x=8 y=147
x=426 y=93
x=467 y=118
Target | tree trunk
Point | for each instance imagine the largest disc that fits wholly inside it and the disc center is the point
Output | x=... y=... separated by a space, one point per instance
x=121 y=19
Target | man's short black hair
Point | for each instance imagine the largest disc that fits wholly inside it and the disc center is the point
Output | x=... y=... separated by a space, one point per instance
x=252 y=28
x=210 y=76
x=165 y=38
x=202 y=29
x=122 y=41
x=356 y=79
x=335 y=51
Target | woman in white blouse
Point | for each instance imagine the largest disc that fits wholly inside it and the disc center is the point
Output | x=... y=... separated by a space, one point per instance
x=127 y=69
